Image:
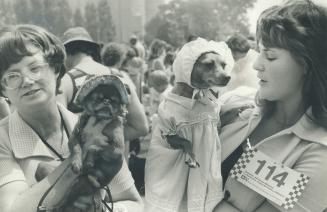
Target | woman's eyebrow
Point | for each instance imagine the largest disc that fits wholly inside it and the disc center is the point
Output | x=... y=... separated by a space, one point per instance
x=267 y=49
x=12 y=70
x=35 y=62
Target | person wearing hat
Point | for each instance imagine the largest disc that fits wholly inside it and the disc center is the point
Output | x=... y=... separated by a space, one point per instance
x=83 y=60
x=83 y=56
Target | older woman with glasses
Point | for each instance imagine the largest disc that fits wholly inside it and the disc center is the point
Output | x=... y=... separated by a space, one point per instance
x=34 y=138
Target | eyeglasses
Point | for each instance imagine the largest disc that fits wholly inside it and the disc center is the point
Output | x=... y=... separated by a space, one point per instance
x=14 y=79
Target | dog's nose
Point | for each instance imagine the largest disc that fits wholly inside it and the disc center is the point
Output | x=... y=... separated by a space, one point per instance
x=226 y=79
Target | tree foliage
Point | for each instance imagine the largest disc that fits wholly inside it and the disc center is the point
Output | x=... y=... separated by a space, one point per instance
x=209 y=19
x=106 y=26
x=78 y=18
x=57 y=16
x=6 y=13
x=100 y=26
x=91 y=22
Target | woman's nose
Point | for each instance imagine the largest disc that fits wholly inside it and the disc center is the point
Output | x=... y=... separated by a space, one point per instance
x=27 y=80
x=258 y=65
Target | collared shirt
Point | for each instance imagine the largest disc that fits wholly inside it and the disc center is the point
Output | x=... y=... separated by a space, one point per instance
x=302 y=147
x=21 y=150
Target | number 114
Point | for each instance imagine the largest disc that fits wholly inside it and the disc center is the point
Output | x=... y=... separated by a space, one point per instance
x=279 y=178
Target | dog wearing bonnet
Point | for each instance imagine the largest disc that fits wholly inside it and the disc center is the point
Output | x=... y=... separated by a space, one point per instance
x=183 y=163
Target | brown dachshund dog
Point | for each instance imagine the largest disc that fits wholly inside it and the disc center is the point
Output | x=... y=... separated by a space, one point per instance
x=208 y=71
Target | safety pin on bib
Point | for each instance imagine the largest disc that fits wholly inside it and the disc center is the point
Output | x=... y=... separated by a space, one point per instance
x=248 y=143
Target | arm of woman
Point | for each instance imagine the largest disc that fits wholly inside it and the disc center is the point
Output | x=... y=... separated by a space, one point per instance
x=136 y=124
x=124 y=192
x=18 y=196
x=224 y=206
x=130 y=199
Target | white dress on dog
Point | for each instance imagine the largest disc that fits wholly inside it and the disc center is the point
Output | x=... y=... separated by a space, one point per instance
x=170 y=184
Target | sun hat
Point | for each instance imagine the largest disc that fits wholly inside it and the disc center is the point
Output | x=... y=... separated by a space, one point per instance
x=90 y=84
x=78 y=34
x=191 y=51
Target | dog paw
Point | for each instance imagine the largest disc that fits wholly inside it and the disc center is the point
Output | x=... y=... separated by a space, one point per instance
x=76 y=167
x=192 y=163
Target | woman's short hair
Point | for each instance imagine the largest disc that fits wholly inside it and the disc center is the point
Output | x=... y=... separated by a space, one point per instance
x=14 y=42
x=156 y=48
x=113 y=54
x=238 y=43
x=158 y=78
x=301 y=28
x=131 y=53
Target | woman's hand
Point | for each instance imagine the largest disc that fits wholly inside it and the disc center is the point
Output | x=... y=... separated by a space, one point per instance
x=228 y=115
x=43 y=170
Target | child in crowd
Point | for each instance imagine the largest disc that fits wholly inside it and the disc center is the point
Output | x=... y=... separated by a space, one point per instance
x=159 y=87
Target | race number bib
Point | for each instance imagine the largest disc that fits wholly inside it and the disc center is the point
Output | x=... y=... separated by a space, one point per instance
x=269 y=178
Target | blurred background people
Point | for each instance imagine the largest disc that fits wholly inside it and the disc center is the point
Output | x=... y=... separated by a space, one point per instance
x=157 y=53
x=138 y=46
x=243 y=76
x=83 y=61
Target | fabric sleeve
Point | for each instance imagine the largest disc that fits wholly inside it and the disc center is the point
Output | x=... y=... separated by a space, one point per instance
x=122 y=181
x=165 y=122
x=240 y=96
x=9 y=168
x=312 y=163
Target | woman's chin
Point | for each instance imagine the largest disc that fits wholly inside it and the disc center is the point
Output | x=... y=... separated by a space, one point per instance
x=262 y=94
x=266 y=95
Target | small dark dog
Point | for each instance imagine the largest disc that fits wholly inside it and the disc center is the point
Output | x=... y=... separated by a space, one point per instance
x=208 y=71
x=104 y=102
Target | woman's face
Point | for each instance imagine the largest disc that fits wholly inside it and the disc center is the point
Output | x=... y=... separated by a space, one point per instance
x=281 y=76
x=34 y=82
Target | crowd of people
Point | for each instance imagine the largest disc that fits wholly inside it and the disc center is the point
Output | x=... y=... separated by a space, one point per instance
x=274 y=106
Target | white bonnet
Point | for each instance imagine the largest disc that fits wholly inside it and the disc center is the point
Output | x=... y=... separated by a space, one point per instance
x=191 y=51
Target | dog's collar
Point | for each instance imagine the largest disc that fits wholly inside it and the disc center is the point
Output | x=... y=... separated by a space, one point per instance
x=204 y=96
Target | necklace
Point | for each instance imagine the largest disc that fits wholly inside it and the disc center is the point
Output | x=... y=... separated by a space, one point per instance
x=248 y=144
x=63 y=126
x=61 y=143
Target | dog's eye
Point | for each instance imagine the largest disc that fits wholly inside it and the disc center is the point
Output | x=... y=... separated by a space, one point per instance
x=210 y=65
x=223 y=65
